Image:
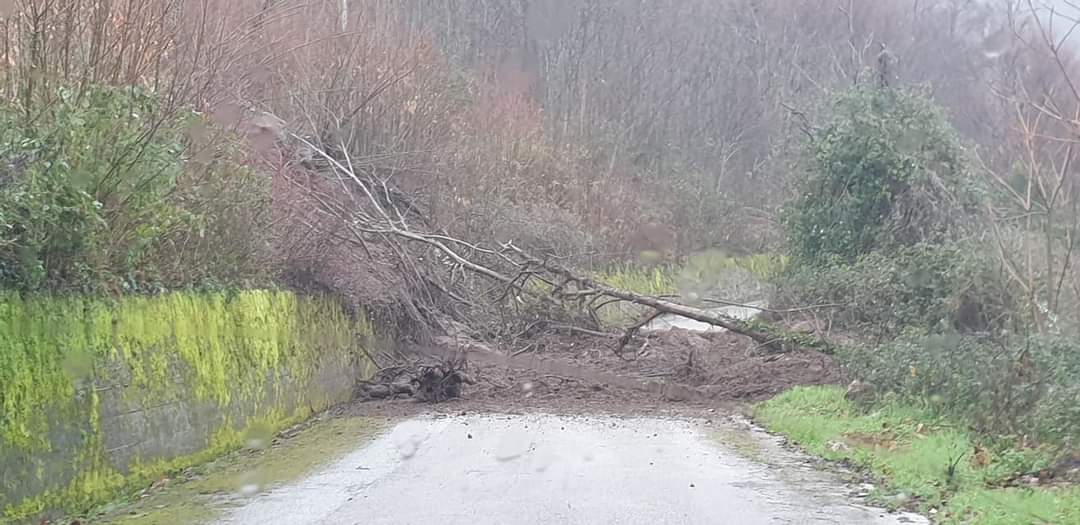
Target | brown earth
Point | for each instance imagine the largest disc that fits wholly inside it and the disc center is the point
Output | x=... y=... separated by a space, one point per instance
x=672 y=372
x=723 y=366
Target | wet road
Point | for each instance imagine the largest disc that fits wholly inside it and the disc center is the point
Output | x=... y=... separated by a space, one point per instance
x=564 y=469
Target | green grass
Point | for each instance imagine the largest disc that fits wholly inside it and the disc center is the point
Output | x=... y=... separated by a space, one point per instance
x=705 y=266
x=709 y=264
x=912 y=450
x=701 y=270
x=658 y=280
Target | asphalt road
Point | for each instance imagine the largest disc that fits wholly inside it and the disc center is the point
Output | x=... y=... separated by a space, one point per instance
x=562 y=469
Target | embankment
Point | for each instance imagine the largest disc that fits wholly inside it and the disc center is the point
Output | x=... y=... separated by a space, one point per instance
x=98 y=397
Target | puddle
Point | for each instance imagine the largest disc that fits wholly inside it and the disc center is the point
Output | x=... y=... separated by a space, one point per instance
x=742 y=440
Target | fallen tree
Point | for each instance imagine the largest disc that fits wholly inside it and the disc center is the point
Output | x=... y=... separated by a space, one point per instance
x=372 y=210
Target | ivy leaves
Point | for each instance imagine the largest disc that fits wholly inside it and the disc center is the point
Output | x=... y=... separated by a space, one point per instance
x=887 y=171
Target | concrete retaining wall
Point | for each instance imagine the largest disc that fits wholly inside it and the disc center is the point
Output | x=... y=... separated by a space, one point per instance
x=156 y=386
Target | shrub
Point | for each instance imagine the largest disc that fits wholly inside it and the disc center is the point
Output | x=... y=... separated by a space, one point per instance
x=933 y=288
x=96 y=184
x=79 y=165
x=887 y=171
x=1021 y=385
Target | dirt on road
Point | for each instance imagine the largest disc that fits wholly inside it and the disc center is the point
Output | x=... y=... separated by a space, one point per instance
x=667 y=372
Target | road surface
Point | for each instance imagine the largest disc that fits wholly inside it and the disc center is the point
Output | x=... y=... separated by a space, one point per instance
x=565 y=469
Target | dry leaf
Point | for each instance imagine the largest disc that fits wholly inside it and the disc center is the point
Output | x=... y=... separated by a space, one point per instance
x=980 y=458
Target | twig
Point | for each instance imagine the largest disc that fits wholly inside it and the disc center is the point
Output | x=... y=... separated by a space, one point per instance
x=630 y=332
x=773 y=311
x=529 y=347
x=578 y=329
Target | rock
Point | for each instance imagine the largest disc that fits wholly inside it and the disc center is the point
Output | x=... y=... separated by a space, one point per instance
x=432 y=383
x=436 y=384
x=1067 y=468
x=899 y=499
x=837 y=446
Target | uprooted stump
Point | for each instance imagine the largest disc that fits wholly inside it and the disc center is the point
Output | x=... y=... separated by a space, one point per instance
x=430 y=383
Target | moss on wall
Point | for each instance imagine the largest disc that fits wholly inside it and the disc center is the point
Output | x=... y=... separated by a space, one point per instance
x=251 y=358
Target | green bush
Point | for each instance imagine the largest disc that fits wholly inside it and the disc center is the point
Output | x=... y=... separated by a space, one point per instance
x=879 y=235
x=74 y=168
x=95 y=185
x=1011 y=386
x=887 y=171
x=934 y=288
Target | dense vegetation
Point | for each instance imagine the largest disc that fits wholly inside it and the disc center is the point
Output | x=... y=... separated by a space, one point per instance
x=888 y=172
x=888 y=229
x=99 y=193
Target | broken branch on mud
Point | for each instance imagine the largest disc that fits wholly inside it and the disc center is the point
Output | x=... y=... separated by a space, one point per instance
x=431 y=382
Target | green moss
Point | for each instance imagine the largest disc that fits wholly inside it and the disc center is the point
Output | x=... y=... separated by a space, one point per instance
x=237 y=352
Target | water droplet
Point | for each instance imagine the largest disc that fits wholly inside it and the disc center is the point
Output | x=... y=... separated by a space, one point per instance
x=544 y=459
x=258 y=435
x=407 y=448
x=408 y=437
x=513 y=445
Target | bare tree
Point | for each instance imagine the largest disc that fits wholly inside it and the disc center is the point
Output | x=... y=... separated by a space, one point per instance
x=1036 y=222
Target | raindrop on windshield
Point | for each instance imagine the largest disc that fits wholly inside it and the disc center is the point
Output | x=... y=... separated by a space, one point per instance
x=514 y=444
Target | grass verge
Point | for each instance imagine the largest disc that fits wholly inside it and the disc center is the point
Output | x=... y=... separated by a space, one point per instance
x=709 y=273
x=924 y=461
x=207 y=491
